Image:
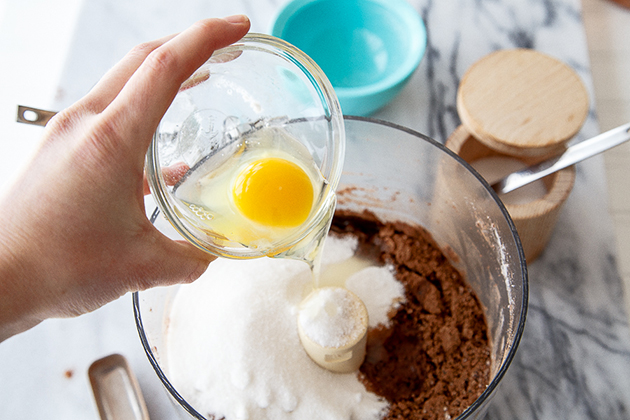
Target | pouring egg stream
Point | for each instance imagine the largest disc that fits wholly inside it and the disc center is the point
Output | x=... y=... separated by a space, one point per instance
x=260 y=133
x=256 y=193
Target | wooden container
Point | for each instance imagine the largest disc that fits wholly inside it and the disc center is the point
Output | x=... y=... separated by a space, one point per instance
x=521 y=104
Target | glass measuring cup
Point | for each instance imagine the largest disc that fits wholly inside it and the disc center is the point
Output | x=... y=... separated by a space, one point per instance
x=243 y=104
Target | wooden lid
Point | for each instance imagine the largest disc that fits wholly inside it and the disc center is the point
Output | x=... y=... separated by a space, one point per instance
x=522 y=102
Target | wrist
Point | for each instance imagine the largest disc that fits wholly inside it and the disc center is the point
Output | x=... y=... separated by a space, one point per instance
x=18 y=309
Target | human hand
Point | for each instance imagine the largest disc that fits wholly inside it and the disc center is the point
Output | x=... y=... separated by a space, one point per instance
x=74 y=233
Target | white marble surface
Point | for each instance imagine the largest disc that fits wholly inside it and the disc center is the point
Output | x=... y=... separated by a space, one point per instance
x=574 y=358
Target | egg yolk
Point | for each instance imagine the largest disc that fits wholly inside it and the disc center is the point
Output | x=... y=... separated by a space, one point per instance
x=274 y=192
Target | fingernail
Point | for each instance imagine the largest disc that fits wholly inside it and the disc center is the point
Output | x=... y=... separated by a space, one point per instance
x=237 y=19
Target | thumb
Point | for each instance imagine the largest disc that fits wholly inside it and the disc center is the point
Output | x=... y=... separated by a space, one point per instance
x=173 y=262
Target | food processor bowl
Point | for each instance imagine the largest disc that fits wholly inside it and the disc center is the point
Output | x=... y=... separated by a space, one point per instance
x=399 y=174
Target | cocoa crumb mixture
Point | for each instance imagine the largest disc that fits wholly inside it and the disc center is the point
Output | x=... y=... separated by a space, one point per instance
x=433 y=361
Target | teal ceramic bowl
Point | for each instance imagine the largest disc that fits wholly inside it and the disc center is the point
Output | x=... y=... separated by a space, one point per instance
x=368 y=49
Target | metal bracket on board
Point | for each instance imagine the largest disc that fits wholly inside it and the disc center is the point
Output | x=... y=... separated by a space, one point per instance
x=33 y=116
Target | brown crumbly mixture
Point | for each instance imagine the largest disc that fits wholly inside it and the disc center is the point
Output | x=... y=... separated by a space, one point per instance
x=433 y=361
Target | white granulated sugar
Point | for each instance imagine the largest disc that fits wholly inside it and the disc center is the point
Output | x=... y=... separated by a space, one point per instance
x=331 y=318
x=233 y=348
x=379 y=291
x=339 y=249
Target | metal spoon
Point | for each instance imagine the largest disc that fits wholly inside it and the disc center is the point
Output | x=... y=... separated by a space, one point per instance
x=571 y=156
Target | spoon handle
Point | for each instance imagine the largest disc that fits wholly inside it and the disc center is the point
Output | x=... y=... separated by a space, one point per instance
x=116 y=390
x=571 y=156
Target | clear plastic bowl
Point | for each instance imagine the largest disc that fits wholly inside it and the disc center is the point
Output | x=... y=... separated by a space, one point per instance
x=259 y=83
x=400 y=174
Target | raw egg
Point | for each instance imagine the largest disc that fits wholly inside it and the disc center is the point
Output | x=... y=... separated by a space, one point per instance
x=274 y=192
x=257 y=195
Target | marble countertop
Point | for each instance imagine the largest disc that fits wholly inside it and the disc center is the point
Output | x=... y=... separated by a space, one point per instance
x=574 y=357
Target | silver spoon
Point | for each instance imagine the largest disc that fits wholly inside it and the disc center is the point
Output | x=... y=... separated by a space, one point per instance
x=571 y=156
